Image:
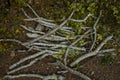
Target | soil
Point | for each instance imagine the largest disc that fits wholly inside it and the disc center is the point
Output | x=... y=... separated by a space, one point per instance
x=99 y=71
x=93 y=68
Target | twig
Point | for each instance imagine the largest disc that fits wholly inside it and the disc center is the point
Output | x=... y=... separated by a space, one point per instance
x=11 y=40
x=95 y=32
x=14 y=40
x=57 y=45
x=33 y=31
x=25 y=13
x=85 y=43
x=50 y=32
x=49 y=38
x=37 y=48
x=41 y=18
x=99 y=54
x=106 y=50
x=29 y=57
x=38 y=15
x=62 y=71
x=50 y=25
x=85 y=28
x=29 y=64
x=23 y=75
x=93 y=53
x=89 y=15
x=53 y=76
x=33 y=10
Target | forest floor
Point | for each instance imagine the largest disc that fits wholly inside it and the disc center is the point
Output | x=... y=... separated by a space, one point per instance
x=97 y=68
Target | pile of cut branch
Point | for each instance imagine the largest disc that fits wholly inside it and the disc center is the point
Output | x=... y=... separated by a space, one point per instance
x=47 y=38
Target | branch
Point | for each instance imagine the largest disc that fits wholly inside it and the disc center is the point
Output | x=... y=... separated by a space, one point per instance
x=50 y=32
x=25 y=13
x=57 y=45
x=95 y=32
x=106 y=50
x=29 y=64
x=11 y=40
x=33 y=31
x=100 y=53
x=49 y=25
x=50 y=38
x=38 y=15
x=14 y=40
x=95 y=52
x=33 y=10
x=89 y=15
x=53 y=76
x=29 y=57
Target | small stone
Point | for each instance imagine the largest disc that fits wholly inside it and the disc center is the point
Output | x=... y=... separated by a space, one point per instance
x=92 y=73
x=41 y=64
x=47 y=68
x=57 y=67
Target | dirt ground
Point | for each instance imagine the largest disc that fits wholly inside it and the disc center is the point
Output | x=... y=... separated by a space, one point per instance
x=92 y=67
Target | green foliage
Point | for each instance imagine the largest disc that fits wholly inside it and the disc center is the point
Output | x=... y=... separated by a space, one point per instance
x=110 y=9
x=3 y=49
x=108 y=59
x=74 y=54
x=3 y=13
x=19 y=2
x=10 y=32
x=99 y=37
x=59 y=54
